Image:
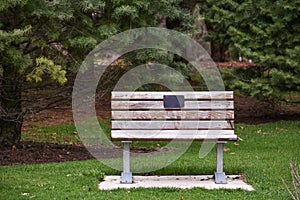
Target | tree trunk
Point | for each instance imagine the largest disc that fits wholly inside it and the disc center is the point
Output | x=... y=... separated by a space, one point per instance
x=200 y=24
x=11 y=116
x=218 y=52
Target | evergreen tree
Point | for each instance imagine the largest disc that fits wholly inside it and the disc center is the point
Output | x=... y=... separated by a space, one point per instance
x=268 y=32
x=45 y=38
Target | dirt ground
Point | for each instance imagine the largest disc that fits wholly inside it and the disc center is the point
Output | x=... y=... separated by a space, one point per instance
x=247 y=110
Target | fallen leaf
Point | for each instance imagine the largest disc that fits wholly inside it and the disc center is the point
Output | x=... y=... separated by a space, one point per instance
x=258 y=131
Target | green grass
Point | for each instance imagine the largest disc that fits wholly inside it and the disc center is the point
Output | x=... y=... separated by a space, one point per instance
x=263 y=156
x=60 y=134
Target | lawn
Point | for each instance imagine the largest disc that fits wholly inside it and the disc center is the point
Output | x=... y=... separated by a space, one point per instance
x=262 y=155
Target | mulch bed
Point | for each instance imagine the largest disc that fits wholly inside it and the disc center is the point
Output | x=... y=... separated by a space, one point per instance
x=40 y=152
x=27 y=152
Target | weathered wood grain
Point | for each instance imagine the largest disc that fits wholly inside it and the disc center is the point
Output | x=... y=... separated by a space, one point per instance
x=159 y=95
x=191 y=105
x=173 y=134
x=169 y=125
x=206 y=115
x=173 y=114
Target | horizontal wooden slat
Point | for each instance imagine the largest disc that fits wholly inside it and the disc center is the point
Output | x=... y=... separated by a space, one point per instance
x=167 y=125
x=173 y=114
x=159 y=95
x=119 y=105
x=173 y=134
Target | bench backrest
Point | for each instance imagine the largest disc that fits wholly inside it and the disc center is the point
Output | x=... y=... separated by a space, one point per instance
x=173 y=115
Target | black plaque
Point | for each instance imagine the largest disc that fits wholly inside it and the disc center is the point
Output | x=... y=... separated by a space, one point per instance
x=173 y=101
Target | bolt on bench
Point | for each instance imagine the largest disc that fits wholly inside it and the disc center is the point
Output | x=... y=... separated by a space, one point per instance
x=195 y=115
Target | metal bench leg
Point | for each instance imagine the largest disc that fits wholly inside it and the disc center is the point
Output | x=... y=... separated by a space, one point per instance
x=220 y=176
x=126 y=176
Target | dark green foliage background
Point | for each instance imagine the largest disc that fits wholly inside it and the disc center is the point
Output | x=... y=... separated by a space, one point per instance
x=268 y=32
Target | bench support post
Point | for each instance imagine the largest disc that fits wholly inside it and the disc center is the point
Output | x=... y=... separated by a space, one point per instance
x=126 y=176
x=220 y=176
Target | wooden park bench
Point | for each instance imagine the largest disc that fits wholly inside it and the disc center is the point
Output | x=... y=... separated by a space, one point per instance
x=195 y=115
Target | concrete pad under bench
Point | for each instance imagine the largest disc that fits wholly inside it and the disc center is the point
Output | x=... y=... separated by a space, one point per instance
x=183 y=182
